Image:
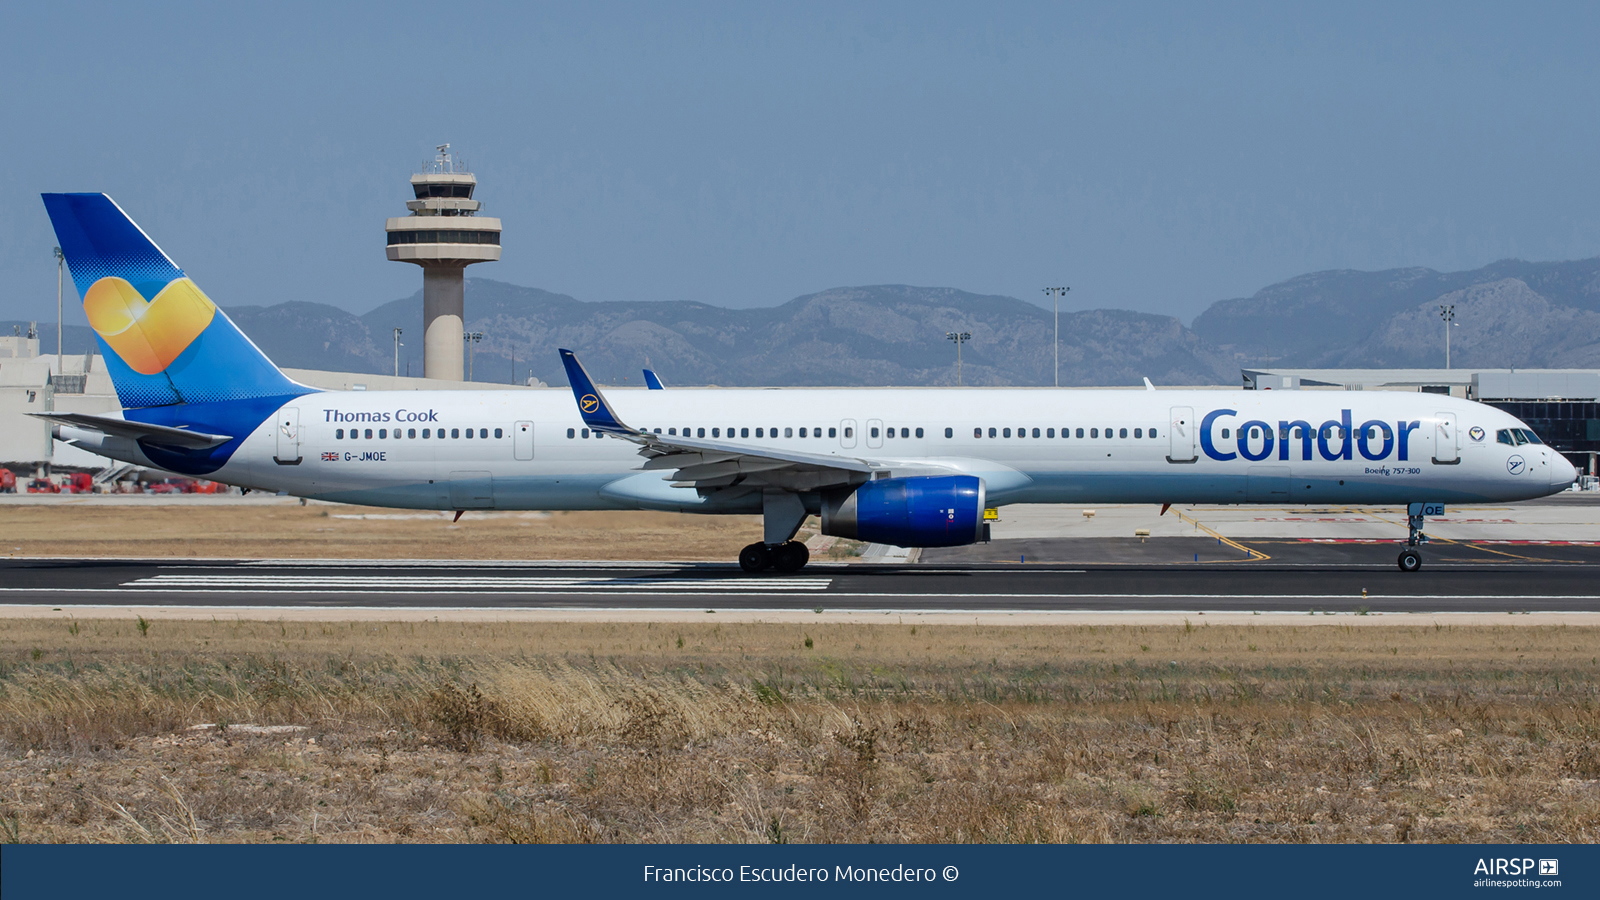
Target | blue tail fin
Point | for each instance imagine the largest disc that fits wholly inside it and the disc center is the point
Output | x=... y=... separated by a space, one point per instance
x=164 y=341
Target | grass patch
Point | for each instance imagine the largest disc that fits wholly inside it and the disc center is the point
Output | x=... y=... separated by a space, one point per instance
x=430 y=731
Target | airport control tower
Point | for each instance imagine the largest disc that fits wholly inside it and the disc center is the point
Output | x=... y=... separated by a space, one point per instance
x=444 y=234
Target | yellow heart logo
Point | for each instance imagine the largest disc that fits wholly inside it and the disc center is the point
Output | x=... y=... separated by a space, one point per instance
x=148 y=336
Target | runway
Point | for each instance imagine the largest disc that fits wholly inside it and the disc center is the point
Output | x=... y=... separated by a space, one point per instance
x=1125 y=574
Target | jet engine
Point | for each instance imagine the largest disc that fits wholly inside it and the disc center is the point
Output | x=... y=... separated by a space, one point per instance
x=926 y=511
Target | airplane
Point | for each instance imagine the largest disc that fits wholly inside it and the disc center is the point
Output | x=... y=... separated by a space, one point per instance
x=913 y=467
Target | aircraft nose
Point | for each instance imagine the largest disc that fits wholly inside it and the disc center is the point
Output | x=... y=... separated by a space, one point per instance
x=1562 y=472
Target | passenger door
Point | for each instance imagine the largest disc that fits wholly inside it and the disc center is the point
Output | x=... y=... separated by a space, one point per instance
x=1446 y=437
x=847 y=434
x=874 y=433
x=522 y=440
x=1180 y=435
x=288 y=452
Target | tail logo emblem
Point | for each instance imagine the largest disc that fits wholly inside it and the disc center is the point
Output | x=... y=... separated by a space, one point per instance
x=148 y=336
x=589 y=403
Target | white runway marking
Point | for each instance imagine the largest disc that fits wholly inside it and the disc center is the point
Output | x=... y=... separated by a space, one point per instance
x=476 y=583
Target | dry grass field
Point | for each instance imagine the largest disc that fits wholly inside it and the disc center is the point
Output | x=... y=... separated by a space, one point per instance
x=427 y=731
x=329 y=531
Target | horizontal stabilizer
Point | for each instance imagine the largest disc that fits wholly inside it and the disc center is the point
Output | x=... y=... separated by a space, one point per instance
x=139 y=431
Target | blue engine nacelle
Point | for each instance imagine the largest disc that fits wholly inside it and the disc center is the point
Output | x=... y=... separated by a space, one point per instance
x=927 y=511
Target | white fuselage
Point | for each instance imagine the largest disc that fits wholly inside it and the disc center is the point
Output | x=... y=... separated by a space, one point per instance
x=367 y=447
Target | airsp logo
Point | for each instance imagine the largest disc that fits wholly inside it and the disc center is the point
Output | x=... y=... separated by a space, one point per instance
x=1476 y=433
x=1516 y=465
x=589 y=403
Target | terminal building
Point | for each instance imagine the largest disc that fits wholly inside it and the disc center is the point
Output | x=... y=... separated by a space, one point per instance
x=1561 y=405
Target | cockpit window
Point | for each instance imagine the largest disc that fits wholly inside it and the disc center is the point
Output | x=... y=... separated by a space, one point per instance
x=1503 y=436
x=1529 y=436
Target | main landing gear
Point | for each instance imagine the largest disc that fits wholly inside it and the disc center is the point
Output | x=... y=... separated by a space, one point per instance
x=781 y=515
x=1410 y=559
x=789 y=556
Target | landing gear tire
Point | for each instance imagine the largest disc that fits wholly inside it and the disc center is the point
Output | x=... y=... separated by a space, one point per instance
x=755 y=558
x=790 y=557
x=1410 y=560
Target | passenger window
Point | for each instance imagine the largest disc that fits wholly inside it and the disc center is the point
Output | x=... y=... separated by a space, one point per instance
x=1005 y=432
x=484 y=433
x=571 y=433
x=338 y=434
x=716 y=432
x=991 y=432
x=873 y=432
x=469 y=434
x=919 y=432
x=411 y=432
x=672 y=431
x=848 y=432
x=833 y=432
x=1093 y=432
x=383 y=433
x=498 y=434
x=802 y=431
x=1152 y=432
x=700 y=432
x=891 y=433
x=1049 y=432
x=440 y=434
x=1036 y=432
x=788 y=432
x=759 y=433
x=1255 y=433
x=584 y=433
x=369 y=434
x=1138 y=433
x=1224 y=434
x=745 y=432
x=976 y=432
x=1080 y=432
x=425 y=433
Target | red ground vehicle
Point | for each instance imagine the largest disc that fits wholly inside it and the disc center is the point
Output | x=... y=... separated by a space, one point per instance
x=8 y=481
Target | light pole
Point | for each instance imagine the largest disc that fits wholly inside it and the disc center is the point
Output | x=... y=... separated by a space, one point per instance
x=472 y=338
x=960 y=337
x=1447 y=312
x=397 y=353
x=61 y=260
x=1056 y=293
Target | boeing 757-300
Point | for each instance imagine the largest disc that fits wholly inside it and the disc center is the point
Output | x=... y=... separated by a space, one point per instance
x=908 y=467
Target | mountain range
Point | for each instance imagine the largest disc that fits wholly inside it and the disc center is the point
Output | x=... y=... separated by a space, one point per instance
x=1509 y=313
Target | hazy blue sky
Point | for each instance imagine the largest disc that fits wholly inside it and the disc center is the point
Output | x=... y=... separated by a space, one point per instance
x=1155 y=157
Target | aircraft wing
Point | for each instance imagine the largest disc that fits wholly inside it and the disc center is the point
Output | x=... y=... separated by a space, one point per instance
x=713 y=465
x=139 y=431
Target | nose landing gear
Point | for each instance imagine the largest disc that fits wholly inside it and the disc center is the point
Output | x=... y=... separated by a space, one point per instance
x=1410 y=559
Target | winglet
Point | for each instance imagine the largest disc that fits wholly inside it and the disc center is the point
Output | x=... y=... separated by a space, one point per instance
x=592 y=405
x=653 y=381
x=1147 y=385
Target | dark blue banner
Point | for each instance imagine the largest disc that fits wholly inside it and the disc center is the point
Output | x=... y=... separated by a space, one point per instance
x=1228 y=871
